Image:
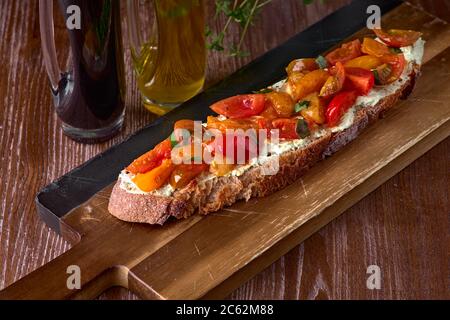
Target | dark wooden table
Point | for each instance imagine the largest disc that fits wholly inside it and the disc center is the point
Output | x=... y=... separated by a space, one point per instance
x=403 y=226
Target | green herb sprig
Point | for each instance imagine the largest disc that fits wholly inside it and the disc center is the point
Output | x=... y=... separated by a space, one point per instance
x=242 y=12
x=302 y=105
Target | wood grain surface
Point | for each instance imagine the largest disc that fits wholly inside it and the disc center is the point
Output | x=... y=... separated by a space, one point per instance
x=402 y=226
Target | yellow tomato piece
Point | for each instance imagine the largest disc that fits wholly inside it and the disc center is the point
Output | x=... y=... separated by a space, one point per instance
x=364 y=62
x=309 y=83
x=302 y=65
x=374 y=48
x=282 y=103
x=316 y=109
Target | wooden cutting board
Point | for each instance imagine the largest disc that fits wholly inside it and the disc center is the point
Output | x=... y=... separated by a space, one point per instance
x=208 y=257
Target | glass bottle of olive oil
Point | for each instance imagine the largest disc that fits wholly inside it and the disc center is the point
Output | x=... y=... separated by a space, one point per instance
x=170 y=57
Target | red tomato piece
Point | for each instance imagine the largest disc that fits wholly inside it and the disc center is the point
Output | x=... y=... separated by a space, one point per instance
x=359 y=79
x=242 y=106
x=339 y=105
x=287 y=128
x=152 y=159
x=250 y=145
x=264 y=122
x=397 y=63
x=398 y=38
x=346 y=52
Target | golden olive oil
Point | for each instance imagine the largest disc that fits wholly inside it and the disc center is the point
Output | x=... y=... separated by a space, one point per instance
x=172 y=62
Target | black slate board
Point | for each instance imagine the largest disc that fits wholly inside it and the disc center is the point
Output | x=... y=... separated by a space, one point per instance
x=78 y=186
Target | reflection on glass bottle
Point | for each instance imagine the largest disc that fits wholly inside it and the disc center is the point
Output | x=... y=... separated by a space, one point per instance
x=171 y=62
x=89 y=99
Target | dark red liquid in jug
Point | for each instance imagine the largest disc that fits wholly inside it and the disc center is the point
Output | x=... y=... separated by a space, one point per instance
x=91 y=95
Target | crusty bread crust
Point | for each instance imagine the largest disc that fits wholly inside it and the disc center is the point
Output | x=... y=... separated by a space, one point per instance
x=214 y=194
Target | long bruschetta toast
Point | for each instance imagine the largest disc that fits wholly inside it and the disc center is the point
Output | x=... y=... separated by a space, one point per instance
x=321 y=106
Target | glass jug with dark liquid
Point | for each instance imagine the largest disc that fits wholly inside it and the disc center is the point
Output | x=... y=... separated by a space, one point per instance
x=89 y=99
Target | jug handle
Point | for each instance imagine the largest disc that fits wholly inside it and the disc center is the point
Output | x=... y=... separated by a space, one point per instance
x=47 y=31
x=134 y=26
x=134 y=31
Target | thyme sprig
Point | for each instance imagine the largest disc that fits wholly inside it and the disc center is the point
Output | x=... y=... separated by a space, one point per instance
x=242 y=12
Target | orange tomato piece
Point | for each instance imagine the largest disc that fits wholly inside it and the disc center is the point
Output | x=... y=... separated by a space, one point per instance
x=374 y=48
x=309 y=83
x=155 y=178
x=364 y=62
x=185 y=124
x=183 y=130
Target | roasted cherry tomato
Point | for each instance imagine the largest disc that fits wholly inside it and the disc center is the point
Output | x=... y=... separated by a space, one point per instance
x=242 y=106
x=335 y=82
x=302 y=65
x=364 y=62
x=397 y=63
x=361 y=80
x=263 y=122
x=287 y=128
x=233 y=124
x=291 y=129
x=183 y=129
x=346 y=52
x=185 y=153
x=338 y=106
x=398 y=38
x=313 y=81
x=151 y=159
x=185 y=124
x=243 y=147
x=281 y=102
x=269 y=113
x=315 y=110
x=155 y=178
x=374 y=48
x=183 y=174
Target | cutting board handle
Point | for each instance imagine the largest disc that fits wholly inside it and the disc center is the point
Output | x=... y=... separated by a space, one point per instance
x=60 y=278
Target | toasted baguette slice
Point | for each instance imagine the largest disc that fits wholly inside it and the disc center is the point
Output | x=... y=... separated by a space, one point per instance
x=210 y=195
